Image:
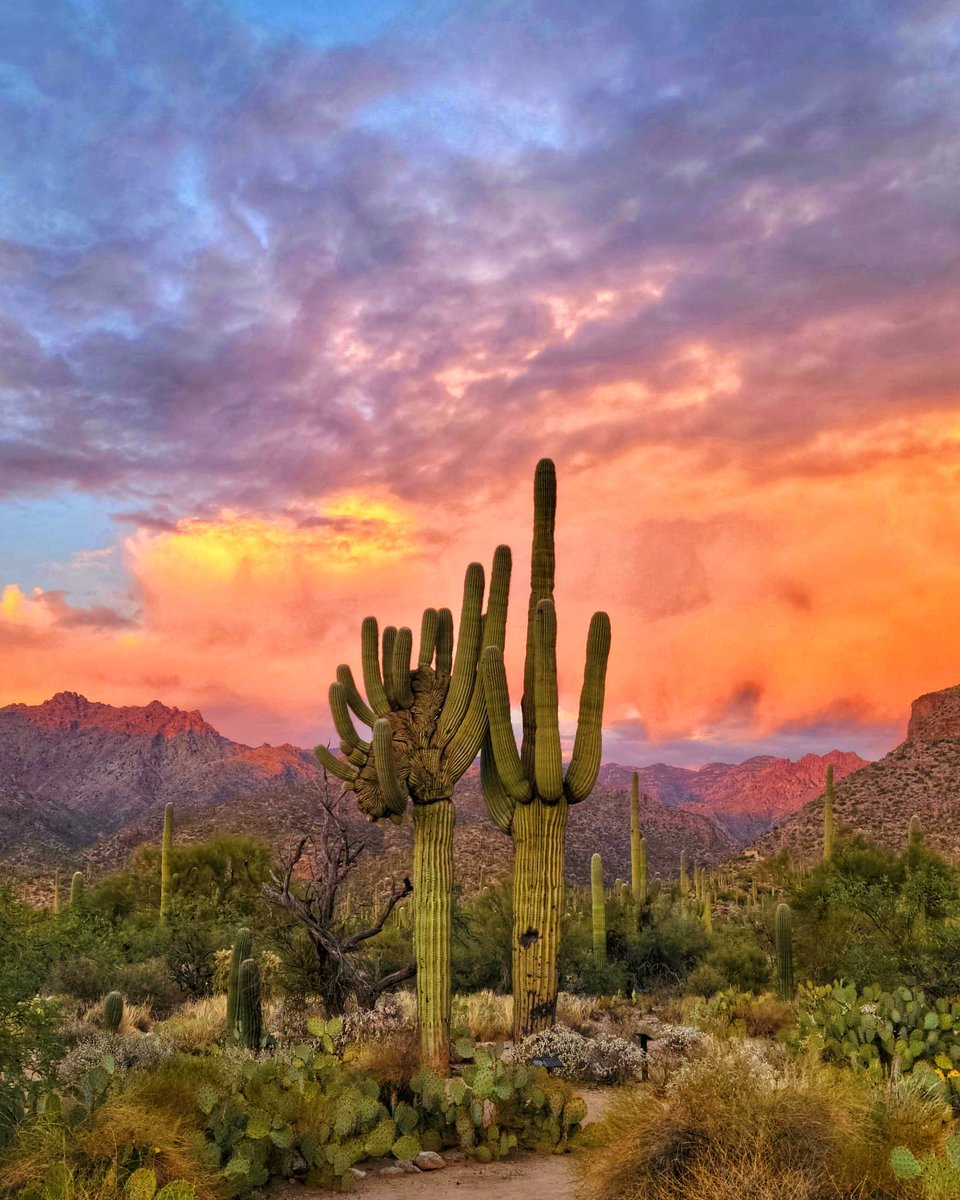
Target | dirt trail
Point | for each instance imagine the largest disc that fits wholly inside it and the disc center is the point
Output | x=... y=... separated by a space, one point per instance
x=532 y=1177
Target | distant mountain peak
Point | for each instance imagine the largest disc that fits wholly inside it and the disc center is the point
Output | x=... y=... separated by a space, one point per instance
x=67 y=711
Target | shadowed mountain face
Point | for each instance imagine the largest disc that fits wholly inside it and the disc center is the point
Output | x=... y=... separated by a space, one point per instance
x=75 y=773
x=922 y=775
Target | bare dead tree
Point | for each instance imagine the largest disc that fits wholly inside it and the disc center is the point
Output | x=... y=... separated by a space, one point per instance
x=305 y=884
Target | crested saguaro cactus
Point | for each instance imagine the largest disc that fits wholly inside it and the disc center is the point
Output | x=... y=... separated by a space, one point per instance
x=240 y=952
x=249 y=1007
x=112 y=1011
x=166 y=851
x=783 y=933
x=638 y=864
x=76 y=887
x=527 y=793
x=599 y=911
x=428 y=724
x=828 y=816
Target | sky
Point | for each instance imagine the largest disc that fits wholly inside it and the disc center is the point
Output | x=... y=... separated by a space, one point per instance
x=293 y=296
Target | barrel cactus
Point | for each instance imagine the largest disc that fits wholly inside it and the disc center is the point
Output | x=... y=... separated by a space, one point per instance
x=113 y=1011
x=249 y=1007
x=241 y=951
x=527 y=792
x=599 y=911
x=428 y=722
x=783 y=933
x=828 y=816
x=166 y=851
x=76 y=887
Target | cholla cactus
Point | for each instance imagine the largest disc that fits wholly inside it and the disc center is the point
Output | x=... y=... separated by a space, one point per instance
x=828 y=816
x=166 y=851
x=113 y=1011
x=599 y=911
x=528 y=794
x=428 y=724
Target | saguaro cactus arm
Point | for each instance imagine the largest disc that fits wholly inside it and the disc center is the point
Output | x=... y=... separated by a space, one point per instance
x=548 y=761
x=514 y=782
x=585 y=760
x=542 y=570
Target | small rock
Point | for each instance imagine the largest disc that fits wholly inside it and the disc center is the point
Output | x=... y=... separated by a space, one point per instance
x=393 y=1171
x=429 y=1160
x=454 y=1156
x=357 y=1173
x=409 y=1167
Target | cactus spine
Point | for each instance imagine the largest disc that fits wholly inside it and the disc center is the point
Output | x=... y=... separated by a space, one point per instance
x=784 y=943
x=56 y=892
x=638 y=871
x=599 y=911
x=112 y=1011
x=249 y=1008
x=241 y=951
x=915 y=836
x=828 y=816
x=428 y=722
x=528 y=795
x=76 y=887
x=166 y=850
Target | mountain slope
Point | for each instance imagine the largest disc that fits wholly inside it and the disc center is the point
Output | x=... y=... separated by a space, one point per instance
x=922 y=775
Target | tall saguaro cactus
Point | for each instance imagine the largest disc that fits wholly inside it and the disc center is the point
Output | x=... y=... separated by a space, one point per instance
x=249 y=1006
x=527 y=792
x=76 y=887
x=684 y=877
x=428 y=724
x=638 y=871
x=783 y=936
x=915 y=834
x=166 y=851
x=56 y=892
x=599 y=911
x=241 y=951
x=828 y=816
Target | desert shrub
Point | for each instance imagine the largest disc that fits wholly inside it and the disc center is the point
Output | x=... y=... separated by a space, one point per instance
x=705 y=980
x=124 y=1050
x=149 y=983
x=728 y=1126
x=738 y=959
x=196 y=1027
x=734 y=1013
x=481 y=940
x=487 y=1015
x=585 y=1059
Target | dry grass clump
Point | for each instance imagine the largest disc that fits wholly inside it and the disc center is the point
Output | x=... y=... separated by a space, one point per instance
x=196 y=1027
x=487 y=1015
x=729 y=1127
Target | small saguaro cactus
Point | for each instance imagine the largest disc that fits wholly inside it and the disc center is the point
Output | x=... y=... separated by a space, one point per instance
x=528 y=793
x=828 y=816
x=428 y=722
x=638 y=873
x=684 y=877
x=56 y=892
x=915 y=836
x=112 y=1011
x=706 y=913
x=76 y=887
x=249 y=1007
x=599 y=911
x=784 y=943
x=241 y=951
x=166 y=850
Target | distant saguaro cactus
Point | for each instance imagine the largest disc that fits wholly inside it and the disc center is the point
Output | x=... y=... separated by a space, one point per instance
x=598 y=910
x=166 y=851
x=684 y=877
x=76 y=887
x=706 y=912
x=638 y=873
x=784 y=943
x=56 y=892
x=249 y=1007
x=915 y=835
x=240 y=952
x=828 y=816
x=113 y=1011
x=527 y=793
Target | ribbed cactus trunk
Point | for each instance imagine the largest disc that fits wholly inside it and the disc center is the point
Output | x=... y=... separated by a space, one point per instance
x=56 y=892
x=240 y=952
x=166 y=850
x=828 y=816
x=598 y=912
x=638 y=882
x=783 y=933
x=915 y=836
x=432 y=907
x=706 y=913
x=76 y=887
x=249 y=1007
x=539 y=832
x=684 y=877
x=113 y=1011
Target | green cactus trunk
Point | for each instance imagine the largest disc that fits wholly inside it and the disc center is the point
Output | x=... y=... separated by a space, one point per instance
x=638 y=874
x=784 y=943
x=828 y=816
x=76 y=887
x=249 y=1007
x=915 y=836
x=241 y=951
x=706 y=913
x=599 y=912
x=684 y=877
x=113 y=1011
x=56 y=892
x=432 y=906
x=166 y=850
x=539 y=831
